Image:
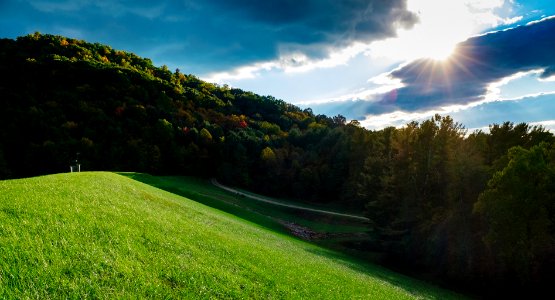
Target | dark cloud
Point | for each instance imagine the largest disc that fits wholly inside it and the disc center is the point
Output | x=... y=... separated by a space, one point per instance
x=324 y=20
x=262 y=30
x=477 y=62
x=271 y=12
x=213 y=35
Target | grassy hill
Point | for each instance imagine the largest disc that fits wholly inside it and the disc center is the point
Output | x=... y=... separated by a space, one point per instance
x=344 y=234
x=102 y=235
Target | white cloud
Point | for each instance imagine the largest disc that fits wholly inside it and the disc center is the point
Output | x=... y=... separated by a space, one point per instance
x=548 y=124
x=334 y=58
x=241 y=73
x=383 y=83
x=510 y=21
x=400 y=118
x=540 y=20
x=548 y=79
x=291 y=62
x=395 y=119
x=494 y=89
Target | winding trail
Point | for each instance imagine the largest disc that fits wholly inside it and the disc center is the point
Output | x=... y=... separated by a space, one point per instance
x=266 y=200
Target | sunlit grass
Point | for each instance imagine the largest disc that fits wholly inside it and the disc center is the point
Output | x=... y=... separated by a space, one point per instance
x=101 y=235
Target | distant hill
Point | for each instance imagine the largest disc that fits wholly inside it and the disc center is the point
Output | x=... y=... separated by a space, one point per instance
x=102 y=235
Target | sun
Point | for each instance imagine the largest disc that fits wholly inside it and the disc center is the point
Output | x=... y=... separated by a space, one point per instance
x=422 y=41
x=441 y=26
x=439 y=51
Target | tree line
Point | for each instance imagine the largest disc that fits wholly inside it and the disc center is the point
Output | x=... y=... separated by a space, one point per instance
x=475 y=209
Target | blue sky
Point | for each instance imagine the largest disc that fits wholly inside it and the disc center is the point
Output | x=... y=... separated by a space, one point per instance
x=382 y=62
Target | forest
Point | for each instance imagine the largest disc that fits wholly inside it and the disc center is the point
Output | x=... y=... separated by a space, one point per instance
x=473 y=210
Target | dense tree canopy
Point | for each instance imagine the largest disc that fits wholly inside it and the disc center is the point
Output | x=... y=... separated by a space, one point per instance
x=474 y=209
x=518 y=207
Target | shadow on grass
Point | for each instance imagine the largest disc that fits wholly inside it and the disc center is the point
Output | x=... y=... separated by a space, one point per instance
x=411 y=285
x=202 y=191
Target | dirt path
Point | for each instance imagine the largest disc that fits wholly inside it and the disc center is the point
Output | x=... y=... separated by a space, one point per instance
x=263 y=199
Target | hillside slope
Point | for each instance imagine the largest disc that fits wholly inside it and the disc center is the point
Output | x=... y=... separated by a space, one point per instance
x=102 y=235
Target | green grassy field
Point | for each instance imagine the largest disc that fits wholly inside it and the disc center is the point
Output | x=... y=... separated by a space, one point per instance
x=102 y=235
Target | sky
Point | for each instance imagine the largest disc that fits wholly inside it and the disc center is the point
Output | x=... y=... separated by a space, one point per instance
x=381 y=62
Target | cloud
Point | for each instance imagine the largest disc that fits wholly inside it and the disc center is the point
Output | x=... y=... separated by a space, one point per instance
x=535 y=109
x=512 y=20
x=316 y=21
x=301 y=35
x=221 y=35
x=429 y=37
x=547 y=124
x=473 y=73
x=290 y=62
x=477 y=63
